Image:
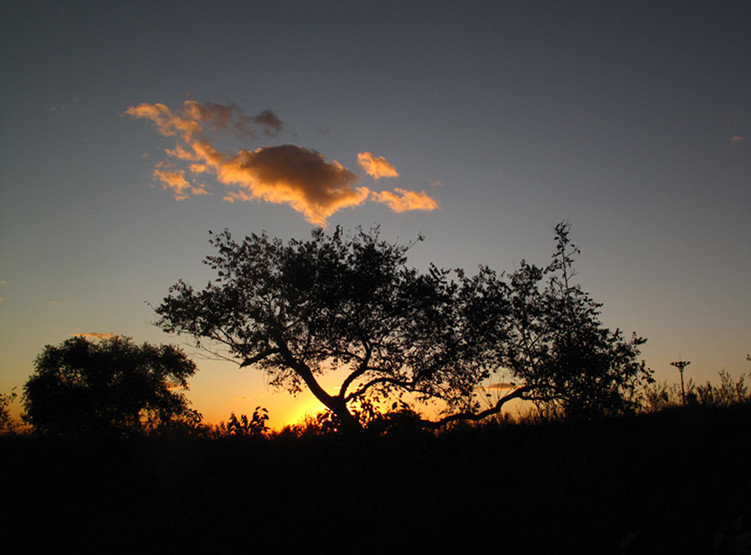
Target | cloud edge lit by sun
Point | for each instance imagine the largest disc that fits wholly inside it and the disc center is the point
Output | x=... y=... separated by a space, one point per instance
x=280 y=174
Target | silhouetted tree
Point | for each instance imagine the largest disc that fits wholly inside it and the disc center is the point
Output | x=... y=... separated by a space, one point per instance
x=350 y=304
x=305 y=308
x=105 y=386
x=557 y=345
x=541 y=334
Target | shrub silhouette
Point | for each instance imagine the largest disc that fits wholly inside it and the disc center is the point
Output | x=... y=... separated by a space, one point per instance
x=244 y=426
x=108 y=386
x=6 y=421
x=659 y=396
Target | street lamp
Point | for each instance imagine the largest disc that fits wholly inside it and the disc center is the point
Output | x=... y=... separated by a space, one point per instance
x=680 y=365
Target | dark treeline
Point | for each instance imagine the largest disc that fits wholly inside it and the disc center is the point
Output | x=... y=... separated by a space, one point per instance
x=673 y=481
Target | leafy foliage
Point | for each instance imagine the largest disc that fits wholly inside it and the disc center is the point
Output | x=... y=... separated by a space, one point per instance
x=306 y=308
x=244 y=426
x=111 y=385
x=558 y=346
x=660 y=395
x=6 y=421
x=351 y=304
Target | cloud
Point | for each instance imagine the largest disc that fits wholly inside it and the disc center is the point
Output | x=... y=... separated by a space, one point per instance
x=195 y=118
x=293 y=175
x=283 y=174
x=175 y=181
x=402 y=200
x=267 y=121
x=376 y=167
x=736 y=139
x=501 y=385
x=75 y=99
x=166 y=121
x=96 y=335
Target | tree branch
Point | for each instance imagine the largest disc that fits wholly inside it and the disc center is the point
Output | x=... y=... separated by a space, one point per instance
x=259 y=357
x=516 y=394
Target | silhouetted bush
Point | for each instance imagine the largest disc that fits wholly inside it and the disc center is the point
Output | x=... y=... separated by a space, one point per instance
x=244 y=426
x=7 y=424
x=108 y=386
x=659 y=396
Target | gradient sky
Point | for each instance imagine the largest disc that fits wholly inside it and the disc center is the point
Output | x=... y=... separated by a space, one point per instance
x=632 y=120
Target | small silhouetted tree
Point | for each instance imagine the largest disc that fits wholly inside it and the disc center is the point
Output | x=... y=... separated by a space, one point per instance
x=557 y=345
x=541 y=334
x=110 y=385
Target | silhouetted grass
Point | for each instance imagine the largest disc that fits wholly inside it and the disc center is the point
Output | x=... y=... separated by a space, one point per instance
x=664 y=482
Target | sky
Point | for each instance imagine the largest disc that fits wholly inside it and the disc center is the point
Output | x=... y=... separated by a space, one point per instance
x=129 y=130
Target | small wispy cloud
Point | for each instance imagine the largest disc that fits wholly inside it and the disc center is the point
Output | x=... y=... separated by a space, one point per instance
x=93 y=335
x=75 y=99
x=283 y=174
x=736 y=139
x=401 y=200
x=501 y=385
x=174 y=180
x=376 y=167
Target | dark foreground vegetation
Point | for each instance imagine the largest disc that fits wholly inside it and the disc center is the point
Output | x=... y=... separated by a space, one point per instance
x=113 y=459
x=673 y=481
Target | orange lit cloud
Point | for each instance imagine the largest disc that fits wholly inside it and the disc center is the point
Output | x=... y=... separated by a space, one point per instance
x=292 y=175
x=402 y=200
x=166 y=121
x=501 y=386
x=736 y=139
x=175 y=181
x=96 y=335
x=195 y=118
x=284 y=174
x=376 y=167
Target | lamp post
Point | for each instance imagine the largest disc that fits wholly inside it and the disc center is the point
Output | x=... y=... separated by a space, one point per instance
x=680 y=365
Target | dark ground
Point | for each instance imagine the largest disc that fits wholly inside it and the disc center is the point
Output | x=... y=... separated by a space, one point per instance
x=662 y=483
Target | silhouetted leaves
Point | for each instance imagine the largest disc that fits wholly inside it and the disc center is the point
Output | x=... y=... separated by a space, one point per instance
x=6 y=421
x=244 y=426
x=108 y=386
x=351 y=303
x=335 y=302
x=558 y=346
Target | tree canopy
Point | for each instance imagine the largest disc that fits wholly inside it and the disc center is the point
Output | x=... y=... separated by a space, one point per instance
x=557 y=345
x=110 y=385
x=349 y=303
